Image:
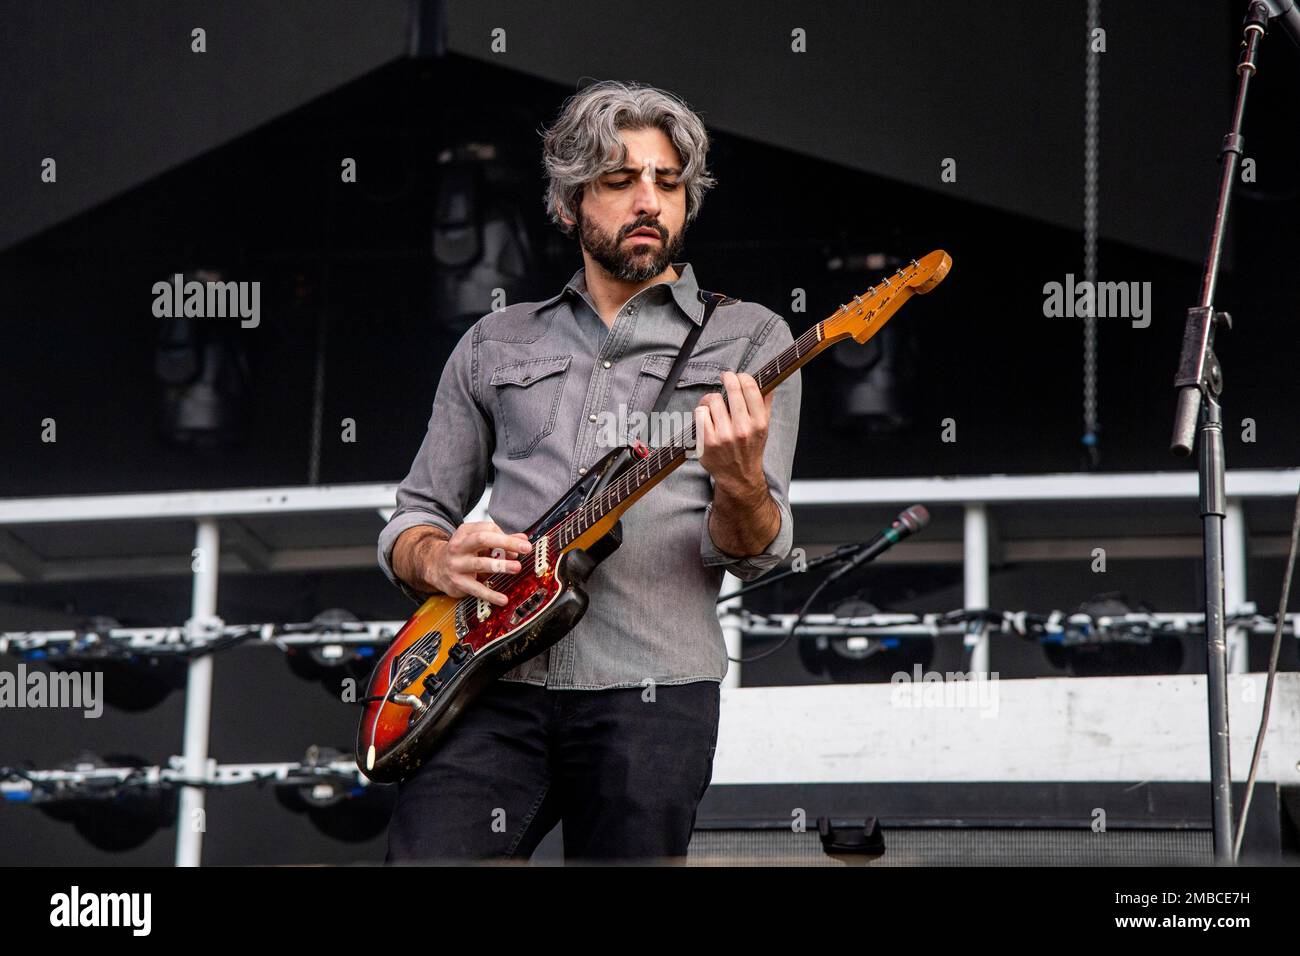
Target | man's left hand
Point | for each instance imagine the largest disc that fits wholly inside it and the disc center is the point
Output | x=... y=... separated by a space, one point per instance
x=730 y=435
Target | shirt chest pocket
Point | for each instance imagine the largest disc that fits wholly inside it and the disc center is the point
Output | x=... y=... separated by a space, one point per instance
x=527 y=395
x=698 y=378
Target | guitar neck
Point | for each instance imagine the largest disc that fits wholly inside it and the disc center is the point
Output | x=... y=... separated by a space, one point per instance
x=860 y=320
x=624 y=490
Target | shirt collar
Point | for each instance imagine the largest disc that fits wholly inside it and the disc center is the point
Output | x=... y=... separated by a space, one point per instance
x=685 y=291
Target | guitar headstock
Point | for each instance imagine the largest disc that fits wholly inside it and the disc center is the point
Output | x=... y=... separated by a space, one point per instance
x=864 y=316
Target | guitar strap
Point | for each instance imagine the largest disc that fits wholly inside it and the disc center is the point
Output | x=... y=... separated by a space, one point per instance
x=711 y=300
x=624 y=459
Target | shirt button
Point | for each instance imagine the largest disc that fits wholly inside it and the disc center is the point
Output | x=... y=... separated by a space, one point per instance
x=607 y=363
x=582 y=471
x=591 y=418
x=631 y=310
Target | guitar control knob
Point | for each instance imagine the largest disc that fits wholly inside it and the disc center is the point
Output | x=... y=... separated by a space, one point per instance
x=432 y=683
x=459 y=651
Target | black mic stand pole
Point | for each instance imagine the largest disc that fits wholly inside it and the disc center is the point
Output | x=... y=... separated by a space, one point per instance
x=1200 y=383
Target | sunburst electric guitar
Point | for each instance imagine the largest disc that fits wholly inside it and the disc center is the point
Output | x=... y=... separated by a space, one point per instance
x=452 y=648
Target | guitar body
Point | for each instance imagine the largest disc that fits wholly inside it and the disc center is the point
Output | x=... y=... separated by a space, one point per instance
x=452 y=648
x=448 y=652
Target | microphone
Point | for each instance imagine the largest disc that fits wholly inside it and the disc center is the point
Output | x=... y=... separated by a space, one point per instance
x=908 y=522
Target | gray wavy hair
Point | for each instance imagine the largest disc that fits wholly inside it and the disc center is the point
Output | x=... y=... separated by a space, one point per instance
x=584 y=142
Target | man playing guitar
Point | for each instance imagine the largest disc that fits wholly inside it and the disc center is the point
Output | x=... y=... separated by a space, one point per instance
x=612 y=730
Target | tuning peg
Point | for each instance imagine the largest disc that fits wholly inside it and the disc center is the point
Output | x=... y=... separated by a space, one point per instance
x=857 y=299
x=914 y=264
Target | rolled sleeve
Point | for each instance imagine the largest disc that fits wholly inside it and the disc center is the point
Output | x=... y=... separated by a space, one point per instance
x=778 y=462
x=450 y=470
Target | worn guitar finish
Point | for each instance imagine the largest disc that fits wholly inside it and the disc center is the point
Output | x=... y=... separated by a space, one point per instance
x=452 y=648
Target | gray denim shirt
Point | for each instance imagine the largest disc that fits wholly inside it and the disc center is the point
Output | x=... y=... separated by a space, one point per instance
x=540 y=391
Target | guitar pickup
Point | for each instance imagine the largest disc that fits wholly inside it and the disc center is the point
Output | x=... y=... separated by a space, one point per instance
x=527 y=606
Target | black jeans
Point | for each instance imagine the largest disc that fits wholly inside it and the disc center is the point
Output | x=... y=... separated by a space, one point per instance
x=624 y=773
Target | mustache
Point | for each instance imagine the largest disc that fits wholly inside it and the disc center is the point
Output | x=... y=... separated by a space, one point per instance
x=663 y=233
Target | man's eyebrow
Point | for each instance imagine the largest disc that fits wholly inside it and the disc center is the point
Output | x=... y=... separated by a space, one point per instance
x=633 y=171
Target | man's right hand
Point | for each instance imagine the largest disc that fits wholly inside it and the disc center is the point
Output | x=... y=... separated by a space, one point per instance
x=428 y=561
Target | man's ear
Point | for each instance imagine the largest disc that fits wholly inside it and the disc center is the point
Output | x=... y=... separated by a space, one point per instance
x=564 y=217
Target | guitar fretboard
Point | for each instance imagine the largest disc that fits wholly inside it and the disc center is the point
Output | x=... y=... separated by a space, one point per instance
x=651 y=468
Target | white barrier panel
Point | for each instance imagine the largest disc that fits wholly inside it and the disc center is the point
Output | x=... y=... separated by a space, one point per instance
x=1046 y=729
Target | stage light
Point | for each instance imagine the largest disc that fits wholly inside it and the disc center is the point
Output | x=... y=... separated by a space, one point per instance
x=1090 y=651
x=109 y=814
x=338 y=806
x=863 y=659
x=872 y=381
x=203 y=371
x=480 y=240
x=331 y=664
x=131 y=682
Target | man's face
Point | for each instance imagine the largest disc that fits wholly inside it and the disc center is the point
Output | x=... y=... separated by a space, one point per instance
x=632 y=220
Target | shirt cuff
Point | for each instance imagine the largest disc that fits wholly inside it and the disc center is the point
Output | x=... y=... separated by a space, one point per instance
x=397 y=524
x=752 y=566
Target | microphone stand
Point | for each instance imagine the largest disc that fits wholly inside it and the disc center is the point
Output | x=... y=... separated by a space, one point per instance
x=910 y=521
x=1199 y=382
x=844 y=552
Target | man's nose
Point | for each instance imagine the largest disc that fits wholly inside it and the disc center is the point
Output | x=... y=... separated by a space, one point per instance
x=646 y=198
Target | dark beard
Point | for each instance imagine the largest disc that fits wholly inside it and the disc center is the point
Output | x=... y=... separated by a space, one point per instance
x=624 y=263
